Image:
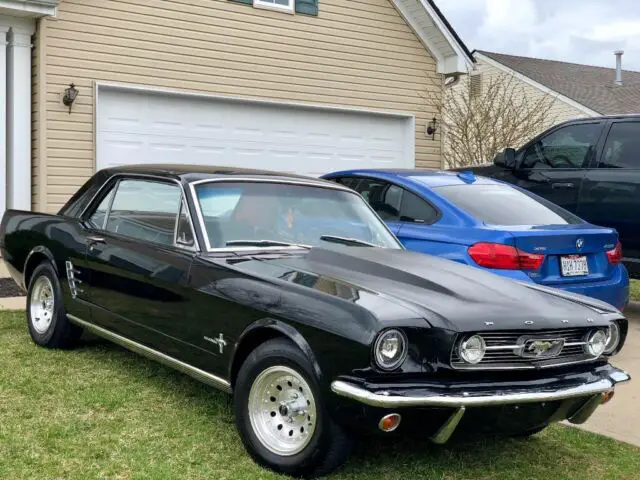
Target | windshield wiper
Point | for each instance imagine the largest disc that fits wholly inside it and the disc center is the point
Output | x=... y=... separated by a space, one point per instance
x=346 y=241
x=263 y=243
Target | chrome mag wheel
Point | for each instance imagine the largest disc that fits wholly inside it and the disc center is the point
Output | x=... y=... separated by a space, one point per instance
x=41 y=304
x=282 y=410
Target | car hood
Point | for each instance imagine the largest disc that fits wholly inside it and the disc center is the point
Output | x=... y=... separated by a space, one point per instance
x=445 y=293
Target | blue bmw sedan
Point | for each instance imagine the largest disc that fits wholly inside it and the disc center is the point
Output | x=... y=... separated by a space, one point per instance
x=496 y=226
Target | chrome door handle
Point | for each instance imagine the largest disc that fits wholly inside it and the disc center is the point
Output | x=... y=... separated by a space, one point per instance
x=562 y=185
x=94 y=240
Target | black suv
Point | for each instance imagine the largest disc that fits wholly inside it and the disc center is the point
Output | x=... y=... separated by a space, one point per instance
x=589 y=166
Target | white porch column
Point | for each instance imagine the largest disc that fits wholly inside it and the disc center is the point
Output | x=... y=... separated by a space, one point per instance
x=19 y=114
x=3 y=119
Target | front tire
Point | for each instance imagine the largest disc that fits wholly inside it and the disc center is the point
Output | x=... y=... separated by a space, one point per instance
x=46 y=317
x=281 y=416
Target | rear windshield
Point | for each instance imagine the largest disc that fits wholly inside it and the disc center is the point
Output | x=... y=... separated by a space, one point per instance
x=504 y=205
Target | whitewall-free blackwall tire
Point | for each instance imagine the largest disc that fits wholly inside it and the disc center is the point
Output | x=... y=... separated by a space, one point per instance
x=46 y=316
x=281 y=416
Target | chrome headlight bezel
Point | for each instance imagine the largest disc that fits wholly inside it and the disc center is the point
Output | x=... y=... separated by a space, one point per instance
x=594 y=339
x=379 y=358
x=463 y=353
x=614 y=335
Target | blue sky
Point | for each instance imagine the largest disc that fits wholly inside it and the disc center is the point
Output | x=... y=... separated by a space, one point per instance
x=580 y=31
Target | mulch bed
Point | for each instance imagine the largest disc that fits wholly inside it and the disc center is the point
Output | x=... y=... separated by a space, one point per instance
x=8 y=288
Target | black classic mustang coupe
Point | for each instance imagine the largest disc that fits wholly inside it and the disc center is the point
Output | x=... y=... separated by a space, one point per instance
x=290 y=293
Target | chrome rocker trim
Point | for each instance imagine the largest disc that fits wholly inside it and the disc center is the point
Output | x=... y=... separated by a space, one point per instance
x=201 y=375
x=594 y=394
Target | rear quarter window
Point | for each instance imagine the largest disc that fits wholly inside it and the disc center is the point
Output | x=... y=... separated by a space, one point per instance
x=504 y=205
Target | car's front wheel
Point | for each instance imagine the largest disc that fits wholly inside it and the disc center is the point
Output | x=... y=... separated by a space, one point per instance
x=281 y=415
x=46 y=316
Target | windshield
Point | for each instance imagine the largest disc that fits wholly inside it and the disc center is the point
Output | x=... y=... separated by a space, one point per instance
x=272 y=214
x=504 y=205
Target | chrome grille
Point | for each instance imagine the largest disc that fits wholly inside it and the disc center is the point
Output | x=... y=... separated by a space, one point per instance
x=499 y=356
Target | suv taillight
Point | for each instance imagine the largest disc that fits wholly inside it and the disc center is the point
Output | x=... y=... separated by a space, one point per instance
x=504 y=257
x=615 y=255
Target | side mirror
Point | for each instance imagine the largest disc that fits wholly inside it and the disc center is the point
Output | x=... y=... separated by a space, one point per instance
x=506 y=159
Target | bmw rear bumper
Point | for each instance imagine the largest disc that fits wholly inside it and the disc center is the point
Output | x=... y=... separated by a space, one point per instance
x=575 y=402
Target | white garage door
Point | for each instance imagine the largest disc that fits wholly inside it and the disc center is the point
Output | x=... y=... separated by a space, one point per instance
x=141 y=127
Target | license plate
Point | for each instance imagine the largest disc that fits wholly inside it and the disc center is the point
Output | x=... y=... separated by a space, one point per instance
x=574 y=265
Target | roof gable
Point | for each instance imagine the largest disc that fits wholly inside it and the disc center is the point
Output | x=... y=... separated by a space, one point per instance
x=435 y=32
x=591 y=87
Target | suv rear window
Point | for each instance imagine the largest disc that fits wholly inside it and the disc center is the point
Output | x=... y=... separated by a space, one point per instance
x=504 y=205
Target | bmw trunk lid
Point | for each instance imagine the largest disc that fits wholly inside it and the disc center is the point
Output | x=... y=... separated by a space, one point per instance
x=573 y=253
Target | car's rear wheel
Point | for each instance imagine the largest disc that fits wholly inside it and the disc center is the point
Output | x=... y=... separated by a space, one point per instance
x=281 y=416
x=46 y=316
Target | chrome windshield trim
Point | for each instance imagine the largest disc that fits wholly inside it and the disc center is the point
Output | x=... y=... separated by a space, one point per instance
x=198 y=374
x=373 y=399
x=307 y=183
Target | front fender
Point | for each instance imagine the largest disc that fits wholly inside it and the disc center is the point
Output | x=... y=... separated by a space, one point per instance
x=283 y=329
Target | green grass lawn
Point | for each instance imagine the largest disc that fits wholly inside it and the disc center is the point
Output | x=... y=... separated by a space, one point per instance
x=635 y=290
x=99 y=412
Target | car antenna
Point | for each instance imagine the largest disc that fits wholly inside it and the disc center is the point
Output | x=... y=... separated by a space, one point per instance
x=467 y=176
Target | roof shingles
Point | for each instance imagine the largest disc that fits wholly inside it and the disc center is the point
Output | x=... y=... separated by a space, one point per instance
x=590 y=86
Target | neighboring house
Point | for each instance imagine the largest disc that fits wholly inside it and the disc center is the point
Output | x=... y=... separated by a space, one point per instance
x=579 y=90
x=293 y=85
x=547 y=92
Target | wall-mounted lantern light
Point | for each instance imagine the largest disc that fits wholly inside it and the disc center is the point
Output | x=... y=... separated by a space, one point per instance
x=70 y=95
x=432 y=126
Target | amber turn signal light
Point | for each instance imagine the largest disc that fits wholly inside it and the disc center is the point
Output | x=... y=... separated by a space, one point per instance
x=607 y=396
x=390 y=422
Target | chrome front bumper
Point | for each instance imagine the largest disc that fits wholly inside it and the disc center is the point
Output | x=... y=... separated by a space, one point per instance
x=594 y=394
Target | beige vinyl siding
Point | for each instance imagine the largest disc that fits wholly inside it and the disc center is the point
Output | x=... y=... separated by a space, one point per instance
x=358 y=54
x=560 y=111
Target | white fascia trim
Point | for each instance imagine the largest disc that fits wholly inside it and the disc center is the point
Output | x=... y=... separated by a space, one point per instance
x=537 y=85
x=33 y=8
x=228 y=98
x=446 y=63
x=406 y=16
x=464 y=64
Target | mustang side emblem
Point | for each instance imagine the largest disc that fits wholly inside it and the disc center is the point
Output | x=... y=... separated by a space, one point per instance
x=542 y=348
x=580 y=243
x=220 y=342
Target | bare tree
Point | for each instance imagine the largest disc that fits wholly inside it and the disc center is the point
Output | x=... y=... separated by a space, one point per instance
x=478 y=121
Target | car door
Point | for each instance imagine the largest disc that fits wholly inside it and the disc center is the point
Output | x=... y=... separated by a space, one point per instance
x=385 y=198
x=554 y=165
x=138 y=262
x=416 y=216
x=611 y=192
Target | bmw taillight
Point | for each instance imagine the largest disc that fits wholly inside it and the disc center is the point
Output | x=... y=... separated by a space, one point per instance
x=615 y=255
x=504 y=257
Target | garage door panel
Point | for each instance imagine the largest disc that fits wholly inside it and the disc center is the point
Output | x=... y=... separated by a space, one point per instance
x=138 y=127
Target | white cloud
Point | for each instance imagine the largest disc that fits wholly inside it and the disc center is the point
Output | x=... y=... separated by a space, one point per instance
x=581 y=31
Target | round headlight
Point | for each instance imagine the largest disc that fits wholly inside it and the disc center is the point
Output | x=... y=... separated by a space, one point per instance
x=613 y=338
x=390 y=349
x=472 y=350
x=596 y=343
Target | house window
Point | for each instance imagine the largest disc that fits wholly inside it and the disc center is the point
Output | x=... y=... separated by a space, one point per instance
x=283 y=5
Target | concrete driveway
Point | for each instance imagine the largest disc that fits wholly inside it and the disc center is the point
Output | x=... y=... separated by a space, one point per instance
x=620 y=418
